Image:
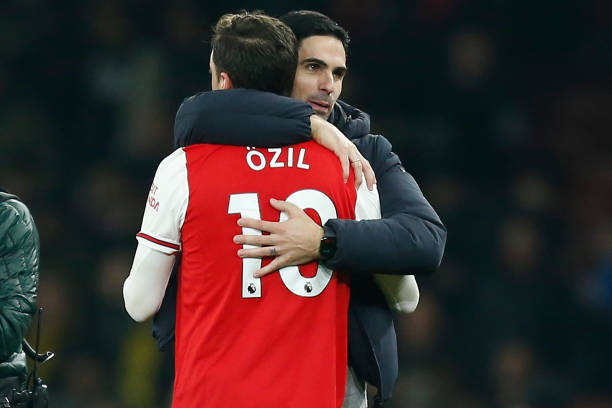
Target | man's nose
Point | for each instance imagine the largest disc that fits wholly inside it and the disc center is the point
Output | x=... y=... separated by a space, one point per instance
x=326 y=82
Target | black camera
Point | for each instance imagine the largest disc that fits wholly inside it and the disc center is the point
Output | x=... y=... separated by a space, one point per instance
x=35 y=394
x=38 y=397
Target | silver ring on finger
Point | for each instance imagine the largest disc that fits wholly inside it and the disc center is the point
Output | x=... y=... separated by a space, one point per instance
x=273 y=251
x=355 y=161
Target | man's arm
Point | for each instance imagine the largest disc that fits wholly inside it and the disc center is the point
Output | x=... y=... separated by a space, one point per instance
x=409 y=240
x=246 y=117
x=410 y=226
x=144 y=288
x=400 y=291
x=242 y=117
x=159 y=239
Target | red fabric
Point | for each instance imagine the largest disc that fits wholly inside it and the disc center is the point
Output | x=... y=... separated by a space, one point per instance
x=279 y=350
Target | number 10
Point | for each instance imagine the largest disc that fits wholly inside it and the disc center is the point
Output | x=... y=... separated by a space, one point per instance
x=247 y=205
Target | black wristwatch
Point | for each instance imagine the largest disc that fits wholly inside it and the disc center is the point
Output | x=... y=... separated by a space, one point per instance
x=327 y=249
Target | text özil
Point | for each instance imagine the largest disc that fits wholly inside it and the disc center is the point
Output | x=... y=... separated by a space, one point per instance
x=282 y=157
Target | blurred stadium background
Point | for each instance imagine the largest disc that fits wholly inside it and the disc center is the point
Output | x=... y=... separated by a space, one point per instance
x=501 y=109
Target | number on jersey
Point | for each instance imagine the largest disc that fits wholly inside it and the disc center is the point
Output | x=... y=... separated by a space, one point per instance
x=247 y=205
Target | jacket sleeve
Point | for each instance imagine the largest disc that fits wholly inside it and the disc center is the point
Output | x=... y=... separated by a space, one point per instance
x=242 y=117
x=408 y=240
x=19 y=257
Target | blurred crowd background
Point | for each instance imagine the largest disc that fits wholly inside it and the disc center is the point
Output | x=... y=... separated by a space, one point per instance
x=501 y=109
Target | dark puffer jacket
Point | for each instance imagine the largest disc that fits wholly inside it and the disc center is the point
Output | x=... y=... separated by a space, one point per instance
x=19 y=257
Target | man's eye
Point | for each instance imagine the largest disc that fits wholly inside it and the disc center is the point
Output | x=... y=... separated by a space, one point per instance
x=312 y=67
x=339 y=74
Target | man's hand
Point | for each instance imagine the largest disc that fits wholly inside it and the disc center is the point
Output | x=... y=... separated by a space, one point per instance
x=292 y=242
x=326 y=134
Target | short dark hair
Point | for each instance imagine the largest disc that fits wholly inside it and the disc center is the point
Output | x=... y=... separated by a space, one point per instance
x=306 y=23
x=256 y=51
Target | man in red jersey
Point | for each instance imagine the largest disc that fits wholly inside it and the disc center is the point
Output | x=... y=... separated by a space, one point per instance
x=243 y=341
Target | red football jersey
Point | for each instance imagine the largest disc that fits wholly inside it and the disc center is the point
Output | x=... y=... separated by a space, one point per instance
x=278 y=341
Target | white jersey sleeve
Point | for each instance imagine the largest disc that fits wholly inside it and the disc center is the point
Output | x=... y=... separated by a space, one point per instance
x=166 y=205
x=401 y=291
x=144 y=288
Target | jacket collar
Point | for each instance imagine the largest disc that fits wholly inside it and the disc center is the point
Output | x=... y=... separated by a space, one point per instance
x=353 y=122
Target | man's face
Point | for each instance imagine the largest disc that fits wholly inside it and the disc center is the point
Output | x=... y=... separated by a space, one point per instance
x=320 y=71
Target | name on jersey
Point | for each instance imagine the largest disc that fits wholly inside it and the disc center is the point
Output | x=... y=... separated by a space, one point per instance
x=281 y=157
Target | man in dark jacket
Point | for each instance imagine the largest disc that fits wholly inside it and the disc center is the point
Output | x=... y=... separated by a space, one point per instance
x=409 y=239
x=19 y=255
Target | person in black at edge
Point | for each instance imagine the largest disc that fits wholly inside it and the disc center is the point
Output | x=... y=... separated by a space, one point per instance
x=409 y=239
x=19 y=260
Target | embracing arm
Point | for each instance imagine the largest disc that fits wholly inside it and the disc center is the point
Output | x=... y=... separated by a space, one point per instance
x=247 y=117
x=410 y=238
x=242 y=117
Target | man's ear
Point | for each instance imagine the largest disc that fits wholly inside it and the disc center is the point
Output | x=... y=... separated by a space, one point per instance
x=225 y=82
